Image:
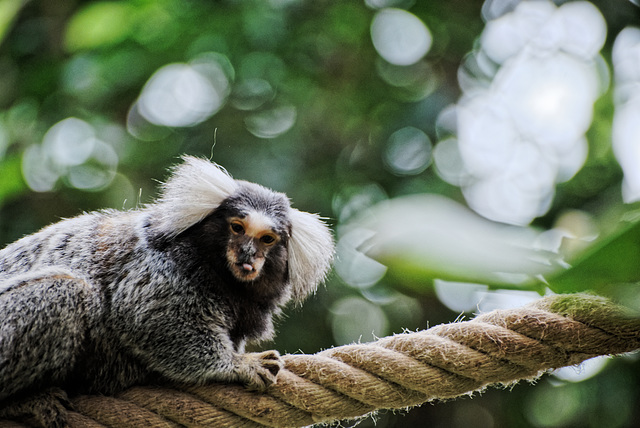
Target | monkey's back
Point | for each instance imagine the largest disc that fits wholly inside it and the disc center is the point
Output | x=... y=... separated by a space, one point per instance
x=52 y=305
x=67 y=243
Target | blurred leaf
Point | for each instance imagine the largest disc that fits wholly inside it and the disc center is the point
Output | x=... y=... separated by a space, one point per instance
x=613 y=260
x=348 y=23
x=8 y=11
x=11 y=181
x=98 y=25
x=426 y=237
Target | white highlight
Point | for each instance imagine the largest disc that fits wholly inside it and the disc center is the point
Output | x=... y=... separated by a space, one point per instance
x=180 y=95
x=272 y=123
x=626 y=126
x=71 y=149
x=408 y=151
x=528 y=99
x=70 y=141
x=400 y=37
x=586 y=370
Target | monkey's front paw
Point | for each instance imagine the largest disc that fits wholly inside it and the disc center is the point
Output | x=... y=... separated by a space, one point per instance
x=259 y=370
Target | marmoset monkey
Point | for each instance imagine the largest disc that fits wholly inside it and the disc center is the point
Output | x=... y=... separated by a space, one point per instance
x=171 y=291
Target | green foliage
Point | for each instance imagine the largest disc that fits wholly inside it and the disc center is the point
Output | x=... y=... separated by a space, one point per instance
x=9 y=9
x=12 y=182
x=610 y=262
x=99 y=25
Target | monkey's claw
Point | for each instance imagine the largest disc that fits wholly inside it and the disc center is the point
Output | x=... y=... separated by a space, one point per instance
x=259 y=370
x=272 y=362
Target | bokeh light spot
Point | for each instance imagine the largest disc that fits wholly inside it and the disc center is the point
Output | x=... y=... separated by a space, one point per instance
x=408 y=151
x=272 y=123
x=70 y=142
x=459 y=296
x=400 y=37
x=352 y=265
x=180 y=95
x=251 y=94
x=472 y=415
x=449 y=163
x=584 y=371
x=626 y=126
x=70 y=150
x=98 y=172
x=39 y=172
x=380 y=4
x=529 y=92
x=549 y=99
x=352 y=201
x=81 y=74
x=177 y=95
x=4 y=140
x=412 y=82
x=355 y=320
x=555 y=407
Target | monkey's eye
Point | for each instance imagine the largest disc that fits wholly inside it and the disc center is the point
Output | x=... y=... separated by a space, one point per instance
x=268 y=239
x=237 y=228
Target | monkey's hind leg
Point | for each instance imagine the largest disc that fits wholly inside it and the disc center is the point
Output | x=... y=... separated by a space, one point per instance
x=45 y=318
x=44 y=409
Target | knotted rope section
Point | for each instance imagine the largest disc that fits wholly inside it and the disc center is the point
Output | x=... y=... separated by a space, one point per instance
x=404 y=370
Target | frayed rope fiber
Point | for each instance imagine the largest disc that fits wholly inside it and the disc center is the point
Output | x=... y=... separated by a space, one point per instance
x=396 y=372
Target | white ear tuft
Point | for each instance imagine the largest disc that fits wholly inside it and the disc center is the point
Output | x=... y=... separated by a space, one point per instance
x=195 y=188
x=311 y=251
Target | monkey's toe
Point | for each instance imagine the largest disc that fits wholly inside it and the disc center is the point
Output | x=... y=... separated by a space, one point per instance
x=271 y=361
x=259 y=370
x=269 y=355
x=273 y=366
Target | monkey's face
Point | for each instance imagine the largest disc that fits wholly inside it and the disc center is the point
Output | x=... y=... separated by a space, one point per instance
x=251 y=238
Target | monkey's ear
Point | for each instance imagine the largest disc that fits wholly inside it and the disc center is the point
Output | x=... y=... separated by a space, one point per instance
x=195 y=188
x=311 y=251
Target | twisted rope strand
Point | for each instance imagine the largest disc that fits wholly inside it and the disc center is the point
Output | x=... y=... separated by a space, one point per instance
x=400 y=371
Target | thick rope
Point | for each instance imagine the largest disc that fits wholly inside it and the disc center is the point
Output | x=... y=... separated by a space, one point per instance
x=396 y=372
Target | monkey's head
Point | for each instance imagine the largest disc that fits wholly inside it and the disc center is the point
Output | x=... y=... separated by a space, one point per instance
x=251 y=239
x=262 y=232
x=258 y=231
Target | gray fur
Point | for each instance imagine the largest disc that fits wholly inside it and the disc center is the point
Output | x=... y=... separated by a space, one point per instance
x=110 y=299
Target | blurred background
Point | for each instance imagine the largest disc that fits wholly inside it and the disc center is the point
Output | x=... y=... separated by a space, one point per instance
x=466 y=153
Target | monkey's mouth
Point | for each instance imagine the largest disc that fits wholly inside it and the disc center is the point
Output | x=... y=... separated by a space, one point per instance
x=245 y=267
x=245 y=271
